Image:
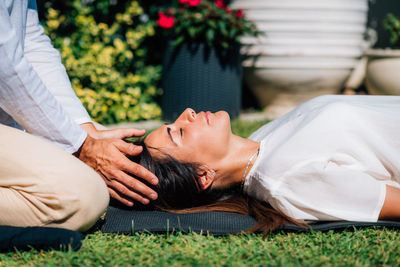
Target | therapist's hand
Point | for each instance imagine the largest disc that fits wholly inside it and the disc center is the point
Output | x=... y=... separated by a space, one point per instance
x=105 y=151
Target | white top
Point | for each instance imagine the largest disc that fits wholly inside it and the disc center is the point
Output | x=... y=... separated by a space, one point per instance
x=330 y=158
x=35 y=91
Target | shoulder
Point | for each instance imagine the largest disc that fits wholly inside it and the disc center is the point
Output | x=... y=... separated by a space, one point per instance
x=313 y=106
x=325 y=102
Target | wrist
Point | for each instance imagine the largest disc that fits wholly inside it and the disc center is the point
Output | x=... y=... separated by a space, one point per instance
x=78 y=152
x=88 y=140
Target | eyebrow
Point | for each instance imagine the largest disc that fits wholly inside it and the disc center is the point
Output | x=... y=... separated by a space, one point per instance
x=170 y=136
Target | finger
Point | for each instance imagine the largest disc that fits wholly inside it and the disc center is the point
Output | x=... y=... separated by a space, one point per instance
x=133 y=186
x=125 y=133
x=133 y=168
x=128 y=148
x=124 y=192
x=135 y=132
x=116 y=196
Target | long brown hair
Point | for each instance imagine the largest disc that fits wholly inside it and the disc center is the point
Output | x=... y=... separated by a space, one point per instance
x=178 y=192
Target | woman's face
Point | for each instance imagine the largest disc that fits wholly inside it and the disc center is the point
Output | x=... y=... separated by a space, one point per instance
x=202 y=138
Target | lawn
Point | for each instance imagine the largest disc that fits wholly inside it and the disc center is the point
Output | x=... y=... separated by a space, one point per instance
x=354 y=247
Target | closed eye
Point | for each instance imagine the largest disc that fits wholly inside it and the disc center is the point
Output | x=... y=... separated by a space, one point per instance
x=181 y=131
x=169 y=134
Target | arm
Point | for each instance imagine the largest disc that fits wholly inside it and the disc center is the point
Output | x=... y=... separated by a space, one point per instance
x=391 y=206
x=46 y=61
x=25 y=97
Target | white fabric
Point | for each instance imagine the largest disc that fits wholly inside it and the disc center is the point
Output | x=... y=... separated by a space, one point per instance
x=330 y=158
x=35 y=91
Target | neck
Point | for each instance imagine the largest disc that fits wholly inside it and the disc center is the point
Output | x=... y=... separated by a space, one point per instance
x=233 y=166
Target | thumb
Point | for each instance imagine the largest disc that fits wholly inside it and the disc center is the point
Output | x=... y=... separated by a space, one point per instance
x=123 y=133
x=133 y=132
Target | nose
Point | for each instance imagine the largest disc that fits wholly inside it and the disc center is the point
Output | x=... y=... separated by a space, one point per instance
x=190 y=114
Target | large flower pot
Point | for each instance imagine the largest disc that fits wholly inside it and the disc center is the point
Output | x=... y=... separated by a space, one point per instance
x=309 y=48
x=201 y=78
x=383 y=71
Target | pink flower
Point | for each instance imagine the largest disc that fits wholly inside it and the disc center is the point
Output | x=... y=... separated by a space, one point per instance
x=220 y=4
x=239 y=14
x=194 y=2
x=184 y=1
x=164 y=21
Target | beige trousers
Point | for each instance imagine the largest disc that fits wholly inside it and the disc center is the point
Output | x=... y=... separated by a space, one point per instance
x=42 y=185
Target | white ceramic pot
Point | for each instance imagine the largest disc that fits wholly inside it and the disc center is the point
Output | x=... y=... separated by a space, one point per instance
x=383 y=71
x=309 y=48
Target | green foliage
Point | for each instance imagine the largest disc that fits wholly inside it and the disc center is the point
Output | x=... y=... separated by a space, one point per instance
x=205 y=21
x=105 y=57
x=391 y=23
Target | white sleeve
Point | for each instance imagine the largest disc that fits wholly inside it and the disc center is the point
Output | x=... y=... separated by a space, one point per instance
x=46 y=61
x=327 y=191
x=25 y=97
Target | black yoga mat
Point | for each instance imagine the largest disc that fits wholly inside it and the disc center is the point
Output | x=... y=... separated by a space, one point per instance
x=40 y=238
x=125 y=221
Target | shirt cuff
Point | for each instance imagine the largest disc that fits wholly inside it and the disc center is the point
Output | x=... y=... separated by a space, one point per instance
x=78 y=144
x=82 y=120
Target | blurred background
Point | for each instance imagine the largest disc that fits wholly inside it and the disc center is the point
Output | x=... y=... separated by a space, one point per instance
x=138 y=60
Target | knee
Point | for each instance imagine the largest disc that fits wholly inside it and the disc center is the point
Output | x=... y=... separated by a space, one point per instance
x=81 y=201
x=93 y=202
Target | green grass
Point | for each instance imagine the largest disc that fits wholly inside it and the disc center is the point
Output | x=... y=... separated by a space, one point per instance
x=366 y=247
x=362 y=247
x=245 y=128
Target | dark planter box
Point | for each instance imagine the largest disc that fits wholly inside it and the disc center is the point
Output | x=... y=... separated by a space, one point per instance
x=201 y=78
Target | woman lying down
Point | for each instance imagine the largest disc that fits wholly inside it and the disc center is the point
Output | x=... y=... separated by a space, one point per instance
x=332 y=158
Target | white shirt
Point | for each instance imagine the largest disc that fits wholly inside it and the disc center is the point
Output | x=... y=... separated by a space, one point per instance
x=330 y=158
x=35 y=91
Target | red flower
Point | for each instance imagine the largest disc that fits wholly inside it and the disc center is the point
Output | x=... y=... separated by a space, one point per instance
x=164 y=21
x=190 y=2
x=228 y=10
x=220 y=4
x=194 y=2
x=239 y=14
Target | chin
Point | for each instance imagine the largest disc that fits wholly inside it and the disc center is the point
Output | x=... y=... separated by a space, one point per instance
x=222 y=113
x=224 y=117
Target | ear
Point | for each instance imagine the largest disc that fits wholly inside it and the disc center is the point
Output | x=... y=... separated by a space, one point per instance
x=206 y=178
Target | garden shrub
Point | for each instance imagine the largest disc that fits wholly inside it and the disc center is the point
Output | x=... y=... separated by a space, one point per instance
x=102 y=48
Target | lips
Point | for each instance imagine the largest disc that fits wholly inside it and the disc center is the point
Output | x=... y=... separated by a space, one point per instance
x=206 y=116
